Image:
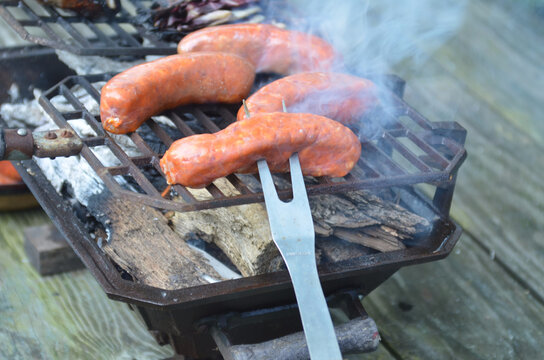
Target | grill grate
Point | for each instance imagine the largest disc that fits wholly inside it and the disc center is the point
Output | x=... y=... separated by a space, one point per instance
x=112 y=36
x=408 y=151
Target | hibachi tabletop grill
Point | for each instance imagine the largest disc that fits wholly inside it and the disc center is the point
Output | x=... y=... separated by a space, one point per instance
x=401 y=150
x=429 y=152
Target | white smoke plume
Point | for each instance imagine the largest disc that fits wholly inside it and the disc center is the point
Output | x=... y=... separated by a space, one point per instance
x=374 y=36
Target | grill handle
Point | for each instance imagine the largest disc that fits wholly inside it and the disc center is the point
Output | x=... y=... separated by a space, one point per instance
x=22 y=144
x=357 y=335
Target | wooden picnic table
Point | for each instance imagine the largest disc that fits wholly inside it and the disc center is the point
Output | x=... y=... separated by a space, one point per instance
x=485 y=301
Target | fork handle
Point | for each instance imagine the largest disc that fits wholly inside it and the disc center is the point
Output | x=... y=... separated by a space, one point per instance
x=316 y=319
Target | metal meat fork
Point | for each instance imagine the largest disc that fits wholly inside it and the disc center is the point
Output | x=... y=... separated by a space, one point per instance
x=293 y=232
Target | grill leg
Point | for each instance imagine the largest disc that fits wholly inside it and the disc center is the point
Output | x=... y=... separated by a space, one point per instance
x=443 y=196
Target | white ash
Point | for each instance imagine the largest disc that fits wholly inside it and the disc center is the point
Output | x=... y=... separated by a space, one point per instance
x=87 y=65
x=27 y=113
x=14 y=93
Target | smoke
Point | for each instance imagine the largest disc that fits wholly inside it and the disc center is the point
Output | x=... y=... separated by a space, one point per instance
x=375 y=36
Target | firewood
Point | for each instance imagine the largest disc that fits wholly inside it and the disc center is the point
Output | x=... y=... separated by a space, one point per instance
x=243 y=232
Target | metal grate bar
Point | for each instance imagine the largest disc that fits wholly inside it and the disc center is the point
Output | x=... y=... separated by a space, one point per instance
x=433 y=154
x=131 y=41
x=205 y=121
x=73 y=32
x=408 y=154
x=94 y=141
x=215 y=191
x=72 y=115
x=163 y=136
x=185 y=194
x=238 y=184
x=72 y=99
x=401 y=130
x=119 y=42
x=83 y=82
x=416 y=117
x=181 y=125
x=41 y=23
x=381 y=163
x=95 y=125
x=105 y=39
x=141 y=144
x=140 y=178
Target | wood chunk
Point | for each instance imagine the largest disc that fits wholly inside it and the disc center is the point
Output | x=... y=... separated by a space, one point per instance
x=146 y=247
x=48 y=252
x=337 y=250
x=382 y=244
x=387 y=213
x=330 y=211
x=242 y=232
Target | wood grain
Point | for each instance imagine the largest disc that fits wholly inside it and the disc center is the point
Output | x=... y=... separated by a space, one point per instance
x=463 y=307
x=143 y=237
x=493 y=91
x=63 y=316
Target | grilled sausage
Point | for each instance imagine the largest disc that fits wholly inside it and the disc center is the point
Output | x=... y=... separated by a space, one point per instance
x=131 y=97
x=269 y=48
x=87 y=8
x=340 y=97
x=8 y=174
x=325 y=147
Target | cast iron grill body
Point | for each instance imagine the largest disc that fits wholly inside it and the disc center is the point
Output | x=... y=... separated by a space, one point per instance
x=121 y=34
x=172 y=314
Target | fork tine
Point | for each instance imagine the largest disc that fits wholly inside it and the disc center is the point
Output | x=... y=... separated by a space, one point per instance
x=297 y=180
x=269 y=189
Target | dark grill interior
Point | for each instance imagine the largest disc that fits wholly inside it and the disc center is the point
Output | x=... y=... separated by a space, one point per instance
x=408 y=151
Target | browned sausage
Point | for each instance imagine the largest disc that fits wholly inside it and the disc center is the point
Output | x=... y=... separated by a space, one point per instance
x=268 y=47
x=88 y=8
x=8 y=174
x=325 y=147
x=131 y=97
x=340 y=97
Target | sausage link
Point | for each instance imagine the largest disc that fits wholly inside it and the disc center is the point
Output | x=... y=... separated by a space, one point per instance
x=8 y=174
x=325 y=147
x=341 y=97
x=131 y=97
x=267 y=47
x=88 y=8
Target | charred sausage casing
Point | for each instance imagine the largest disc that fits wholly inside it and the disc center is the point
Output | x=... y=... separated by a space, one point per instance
x=325 y=147
x=341 y=97
x=131 y=97
x=267 y=47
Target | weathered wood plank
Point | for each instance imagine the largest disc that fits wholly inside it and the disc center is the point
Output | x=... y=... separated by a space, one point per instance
x=48 y=251
x=463 y=307
x=500 y=65
x=500 y=195
x=64 y=316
